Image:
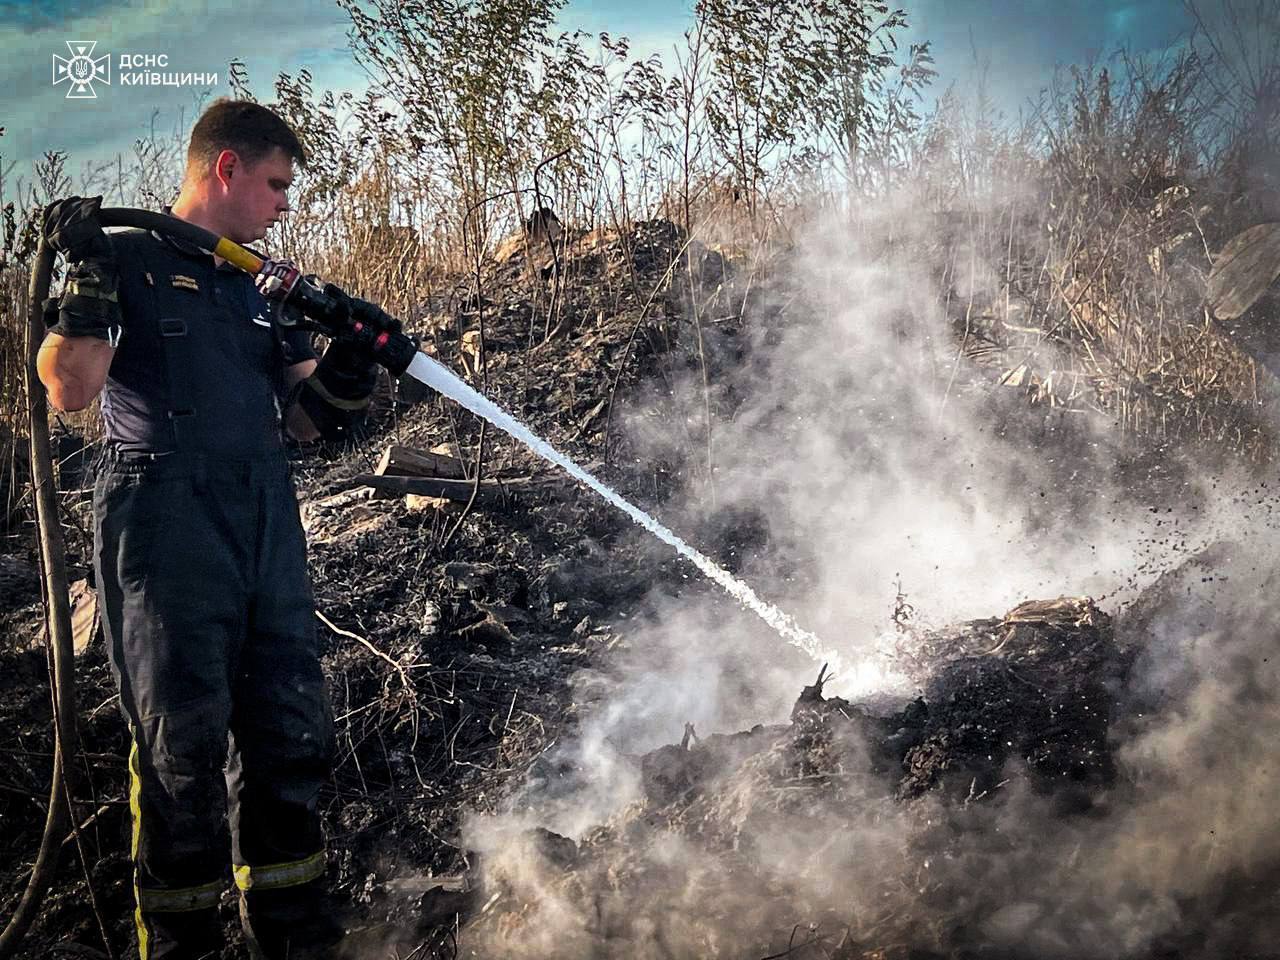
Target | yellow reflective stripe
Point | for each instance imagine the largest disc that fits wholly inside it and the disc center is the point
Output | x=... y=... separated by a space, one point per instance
x=135 y=842
x=155 y=900
x=180 y=900
x=275 y=875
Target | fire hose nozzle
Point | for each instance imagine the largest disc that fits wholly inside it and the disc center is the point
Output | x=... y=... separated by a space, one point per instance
x=371 y=327
x=336 y=314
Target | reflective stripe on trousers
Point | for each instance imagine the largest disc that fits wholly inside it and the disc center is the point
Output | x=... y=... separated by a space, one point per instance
x=151 y=899
x=274 y=876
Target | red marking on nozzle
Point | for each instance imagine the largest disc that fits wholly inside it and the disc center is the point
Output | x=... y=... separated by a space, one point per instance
x=359 y=326
x=381 y=342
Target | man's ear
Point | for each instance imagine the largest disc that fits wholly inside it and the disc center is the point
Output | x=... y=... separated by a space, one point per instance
x=225 y=165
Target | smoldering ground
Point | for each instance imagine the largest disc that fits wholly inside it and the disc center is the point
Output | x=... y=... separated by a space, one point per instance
x=887 y=487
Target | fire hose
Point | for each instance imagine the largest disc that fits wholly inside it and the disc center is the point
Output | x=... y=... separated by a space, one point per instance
x=326 y=310
x=58 y=615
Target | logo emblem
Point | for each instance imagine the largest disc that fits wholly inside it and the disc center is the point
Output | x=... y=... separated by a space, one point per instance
x=81 y=70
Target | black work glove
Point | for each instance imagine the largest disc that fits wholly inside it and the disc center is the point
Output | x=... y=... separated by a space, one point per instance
x=372 y=332
x=347 y=370
x=337 y=396
x=72 y=228
x=348 y=366
x=90 y=304
x=371 y=317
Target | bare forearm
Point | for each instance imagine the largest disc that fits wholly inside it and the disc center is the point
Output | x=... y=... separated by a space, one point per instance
x=73 y=369
x=299 y=424
x=296 y=420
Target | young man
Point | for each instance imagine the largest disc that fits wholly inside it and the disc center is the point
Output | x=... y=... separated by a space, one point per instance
x=199 y=553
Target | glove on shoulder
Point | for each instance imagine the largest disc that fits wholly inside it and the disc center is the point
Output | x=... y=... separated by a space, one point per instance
x=89 y=305
x=71 y=227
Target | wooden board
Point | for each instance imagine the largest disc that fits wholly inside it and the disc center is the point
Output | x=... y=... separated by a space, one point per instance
x=84 y=615
x=401 y=461
x=490 y=491
x=1243 y=271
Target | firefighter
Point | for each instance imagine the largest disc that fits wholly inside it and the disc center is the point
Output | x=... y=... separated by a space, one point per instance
x=198 y=550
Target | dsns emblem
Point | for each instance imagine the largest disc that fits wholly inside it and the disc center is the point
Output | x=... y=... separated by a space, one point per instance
x=81 y=70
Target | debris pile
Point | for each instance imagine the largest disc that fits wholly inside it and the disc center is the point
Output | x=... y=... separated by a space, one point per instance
x=461 y=586
x=1036 y=684
x=1024 y=698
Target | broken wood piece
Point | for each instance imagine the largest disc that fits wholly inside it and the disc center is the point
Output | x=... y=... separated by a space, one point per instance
x=1242 y=272
x=401 y=461
x=490 y=491
x=472 y=350
x=418 y=884
x=84 y=615
x=585 y=423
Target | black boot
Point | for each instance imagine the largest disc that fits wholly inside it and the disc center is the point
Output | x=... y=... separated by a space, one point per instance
x=189 y=935
x=291 y=923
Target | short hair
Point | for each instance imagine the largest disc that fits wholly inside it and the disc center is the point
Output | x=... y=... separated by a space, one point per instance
x=248 y=128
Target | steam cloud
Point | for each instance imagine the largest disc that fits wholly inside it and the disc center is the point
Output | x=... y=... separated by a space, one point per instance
x=866 y=472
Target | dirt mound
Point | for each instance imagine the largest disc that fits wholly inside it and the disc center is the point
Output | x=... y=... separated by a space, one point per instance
x=724 y=822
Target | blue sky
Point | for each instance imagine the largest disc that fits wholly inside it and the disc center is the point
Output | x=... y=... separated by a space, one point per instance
x=1022 y=39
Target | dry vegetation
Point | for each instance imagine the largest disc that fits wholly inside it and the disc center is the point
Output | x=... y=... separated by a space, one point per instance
x=1070 y=248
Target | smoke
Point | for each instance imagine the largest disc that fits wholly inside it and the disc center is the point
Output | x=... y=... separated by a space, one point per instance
x=862 y=468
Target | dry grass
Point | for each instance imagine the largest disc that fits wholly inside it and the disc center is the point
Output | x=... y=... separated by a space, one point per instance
x=1071 y=250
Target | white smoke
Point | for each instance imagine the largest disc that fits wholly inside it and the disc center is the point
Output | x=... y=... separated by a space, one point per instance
x=875 y=463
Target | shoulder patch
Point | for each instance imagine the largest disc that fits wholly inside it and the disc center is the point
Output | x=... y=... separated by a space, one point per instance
x=184 y=282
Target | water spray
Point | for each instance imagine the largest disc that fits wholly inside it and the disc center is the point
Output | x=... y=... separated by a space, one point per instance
x=440 y=378
x=326 y=310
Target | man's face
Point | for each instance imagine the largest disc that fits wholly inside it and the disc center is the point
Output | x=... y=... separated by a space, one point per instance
x=254 y=195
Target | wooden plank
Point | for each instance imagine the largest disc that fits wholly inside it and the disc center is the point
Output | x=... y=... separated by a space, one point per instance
x=84 y=615
x=490 y=491
x=401 y=461
x=1243 y=271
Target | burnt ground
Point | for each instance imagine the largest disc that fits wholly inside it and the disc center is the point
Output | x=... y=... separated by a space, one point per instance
x=450 y=670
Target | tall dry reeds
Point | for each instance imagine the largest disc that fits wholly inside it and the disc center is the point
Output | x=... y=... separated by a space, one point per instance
x=1070 y=247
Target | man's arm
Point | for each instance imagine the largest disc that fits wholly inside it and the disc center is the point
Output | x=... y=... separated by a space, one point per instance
x=73 y=369
x=296 y=420
x=75 y=355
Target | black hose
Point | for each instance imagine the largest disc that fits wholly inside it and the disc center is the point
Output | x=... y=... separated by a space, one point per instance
x=58 y=605
x=53 y=561
x=150 y=220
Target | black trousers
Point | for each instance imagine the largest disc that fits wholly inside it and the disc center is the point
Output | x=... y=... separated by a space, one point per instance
x=209 y=618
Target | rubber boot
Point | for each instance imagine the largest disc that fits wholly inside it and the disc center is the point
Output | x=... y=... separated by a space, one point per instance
x=292 y=923
x=190 y=935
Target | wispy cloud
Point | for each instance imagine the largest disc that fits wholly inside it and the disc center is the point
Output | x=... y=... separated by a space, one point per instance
x=1021 y=40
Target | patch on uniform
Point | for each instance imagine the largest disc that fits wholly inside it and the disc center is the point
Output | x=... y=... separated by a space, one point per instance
x=186 y=283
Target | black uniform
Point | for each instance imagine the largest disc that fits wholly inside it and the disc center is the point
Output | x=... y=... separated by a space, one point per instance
x=201 y=569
